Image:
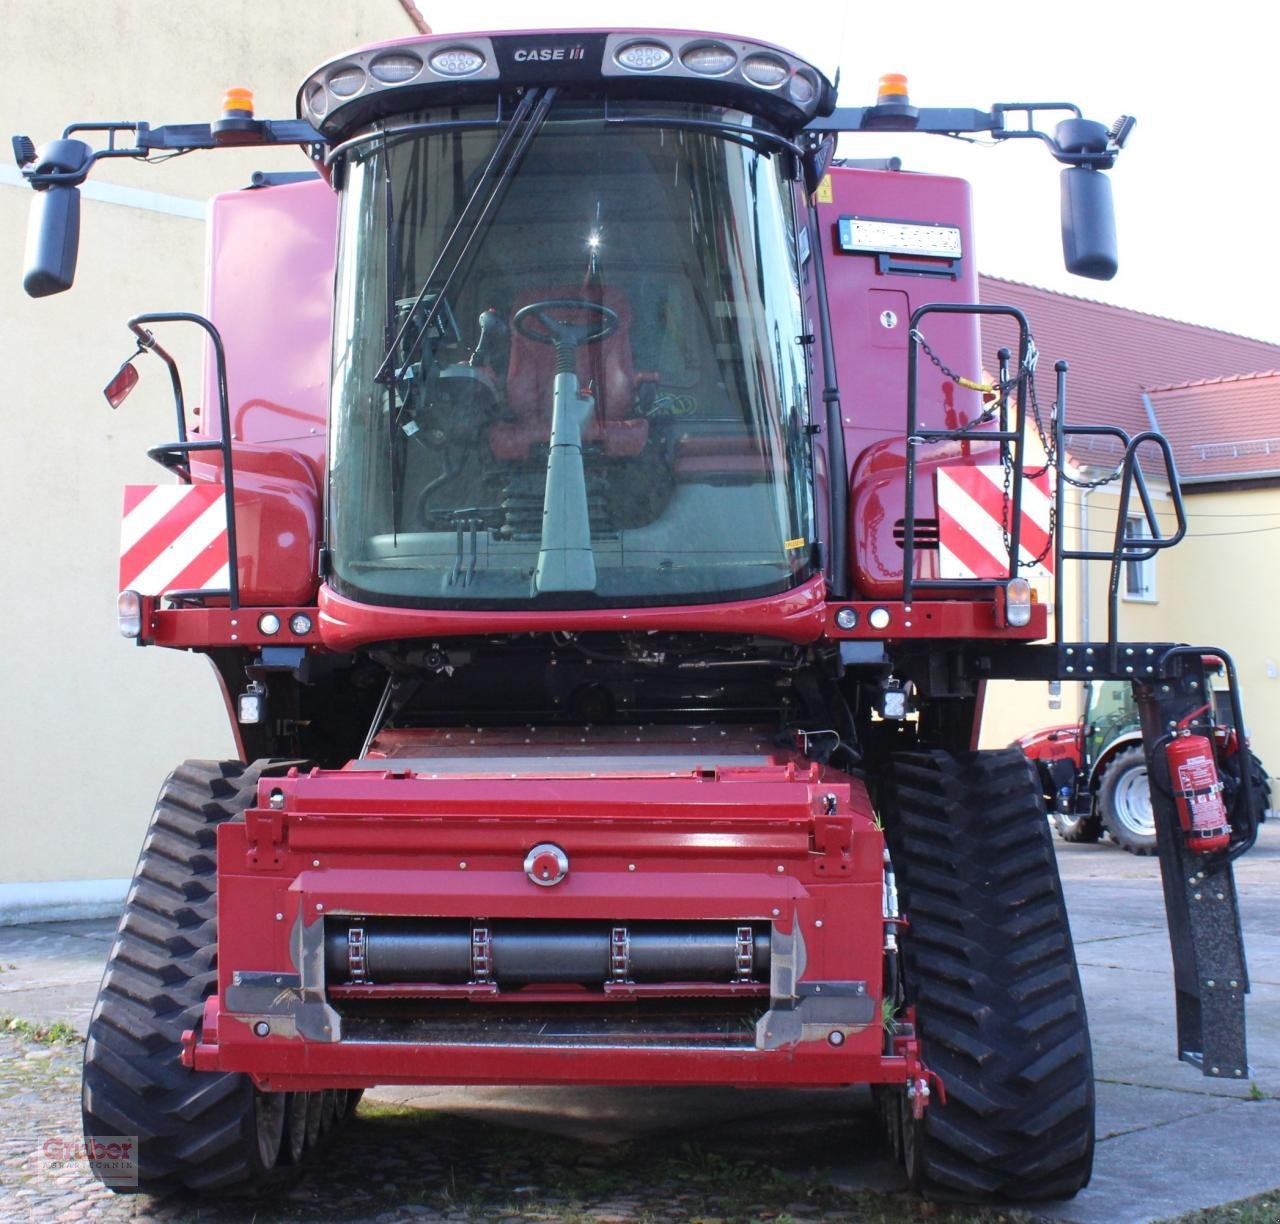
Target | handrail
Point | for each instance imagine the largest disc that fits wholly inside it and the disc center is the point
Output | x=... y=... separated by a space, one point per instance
x=170 y=455
x=916 y=436
x=1124 y=549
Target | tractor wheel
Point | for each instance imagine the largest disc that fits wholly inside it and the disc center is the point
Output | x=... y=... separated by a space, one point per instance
x=1230 y=775
x=989 y=968
x=1073 y=827
x=1124 y=801
x=196 y=1131
x=1262 y=780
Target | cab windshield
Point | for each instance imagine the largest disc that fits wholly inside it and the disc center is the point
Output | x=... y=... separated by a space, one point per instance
x=610 y=405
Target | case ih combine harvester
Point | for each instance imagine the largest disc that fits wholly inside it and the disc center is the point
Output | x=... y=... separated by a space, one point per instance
x=607 y=688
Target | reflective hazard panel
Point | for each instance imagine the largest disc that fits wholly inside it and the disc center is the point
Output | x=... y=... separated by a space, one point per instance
x=971 y=517
x=173 y=537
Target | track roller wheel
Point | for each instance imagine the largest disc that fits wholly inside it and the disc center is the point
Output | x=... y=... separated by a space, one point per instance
x=197 y=1131
x=989 y=967
x=295 y=1132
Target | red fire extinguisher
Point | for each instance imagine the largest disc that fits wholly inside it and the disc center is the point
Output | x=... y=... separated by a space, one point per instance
x=1197 y=792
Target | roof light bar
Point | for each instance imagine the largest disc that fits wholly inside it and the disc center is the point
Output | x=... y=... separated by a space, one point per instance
x=734 y=72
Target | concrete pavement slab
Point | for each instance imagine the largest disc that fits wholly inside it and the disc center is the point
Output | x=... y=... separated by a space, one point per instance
x=1166 y=1169
x=50 y=971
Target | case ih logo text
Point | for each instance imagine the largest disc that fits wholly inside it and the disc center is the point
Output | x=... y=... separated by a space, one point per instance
x=529 y=55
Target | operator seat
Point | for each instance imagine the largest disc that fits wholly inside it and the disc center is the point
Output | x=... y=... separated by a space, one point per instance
x=607 y=364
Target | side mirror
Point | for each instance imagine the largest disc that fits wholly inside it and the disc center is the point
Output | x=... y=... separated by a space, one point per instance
x=53 y=226
x=126 y=378
x=1088 y=224
x=53 y=240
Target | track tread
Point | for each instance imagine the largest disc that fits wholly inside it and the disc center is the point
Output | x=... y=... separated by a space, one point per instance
x=196 y=1130
x=989 y=965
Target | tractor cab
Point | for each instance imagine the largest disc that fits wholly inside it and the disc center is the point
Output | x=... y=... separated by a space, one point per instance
x=1110 y=713
x=569 y=364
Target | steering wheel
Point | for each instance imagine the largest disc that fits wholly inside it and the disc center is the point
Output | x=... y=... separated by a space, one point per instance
x=536 y=322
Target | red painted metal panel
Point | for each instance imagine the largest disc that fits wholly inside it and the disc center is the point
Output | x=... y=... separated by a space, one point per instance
x=734 y=843
x=950 y=619
x=794 y=616
x=872 y=299
x=871 y=358
x=275 y=323
x=279 y=1065
x=277 y=524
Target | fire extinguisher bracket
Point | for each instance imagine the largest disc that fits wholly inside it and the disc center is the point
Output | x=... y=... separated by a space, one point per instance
x=1193 y=841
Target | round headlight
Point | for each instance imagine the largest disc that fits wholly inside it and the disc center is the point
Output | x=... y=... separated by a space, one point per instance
x=847 y=618
x=300 y=624
x=347 y=81
x=643 y=56
x=269 y=624
x=802 y=89
x=710 y=59
x=393 y=67
x=767 y=71
x=456 y=61
x=878 y=618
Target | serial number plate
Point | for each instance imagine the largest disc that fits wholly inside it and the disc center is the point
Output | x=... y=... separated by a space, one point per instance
x=876 y=236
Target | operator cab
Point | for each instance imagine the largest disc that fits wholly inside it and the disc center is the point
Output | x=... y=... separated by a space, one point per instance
x=570 y=366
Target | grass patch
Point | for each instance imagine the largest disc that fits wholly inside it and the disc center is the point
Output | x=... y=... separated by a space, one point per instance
x=1261 y=1209
x=57 y=1033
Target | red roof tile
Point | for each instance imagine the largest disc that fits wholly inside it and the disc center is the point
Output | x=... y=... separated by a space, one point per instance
x=1115 y=353
x=1224 y=426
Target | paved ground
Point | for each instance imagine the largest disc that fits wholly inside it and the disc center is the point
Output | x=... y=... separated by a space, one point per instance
x=1170 y=1140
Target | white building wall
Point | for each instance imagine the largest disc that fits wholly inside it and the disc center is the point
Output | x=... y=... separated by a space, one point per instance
x=90 y=722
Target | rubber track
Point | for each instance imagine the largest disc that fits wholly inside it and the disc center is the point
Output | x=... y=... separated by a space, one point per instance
x=196 y=1130
x=989 y=965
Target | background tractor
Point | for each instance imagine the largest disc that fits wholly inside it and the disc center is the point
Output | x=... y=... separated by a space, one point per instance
x=1094 y=772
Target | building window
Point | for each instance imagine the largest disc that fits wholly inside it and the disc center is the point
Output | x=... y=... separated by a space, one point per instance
x=1139 y=576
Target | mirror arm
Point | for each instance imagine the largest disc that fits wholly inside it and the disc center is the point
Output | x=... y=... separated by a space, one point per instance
x=1099 y=151
x=170 y=138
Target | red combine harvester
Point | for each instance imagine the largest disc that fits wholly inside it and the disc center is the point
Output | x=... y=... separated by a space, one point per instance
x=607 y=687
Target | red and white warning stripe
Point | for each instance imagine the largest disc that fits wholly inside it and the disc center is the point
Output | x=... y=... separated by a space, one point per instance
x=173 y=537
x=971 y=513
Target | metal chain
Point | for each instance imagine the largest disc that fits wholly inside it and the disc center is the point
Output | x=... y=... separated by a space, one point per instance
x=958 y=379
x=1050 y=452
x=1001 y=390
x=1004 y=519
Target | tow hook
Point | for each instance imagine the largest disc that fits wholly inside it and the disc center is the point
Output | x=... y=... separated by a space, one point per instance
x=921 y=1089
x=918 y=1095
